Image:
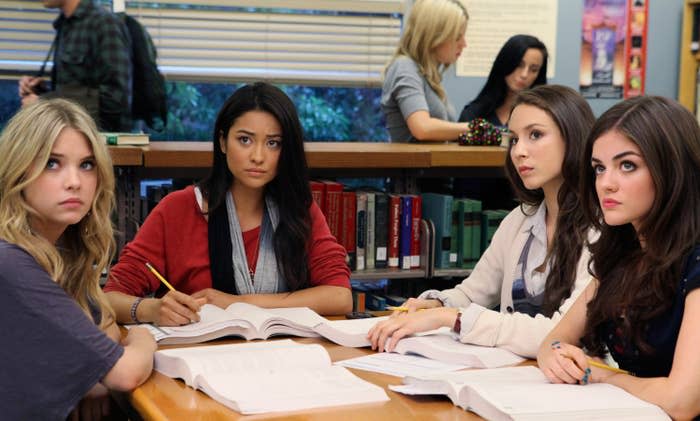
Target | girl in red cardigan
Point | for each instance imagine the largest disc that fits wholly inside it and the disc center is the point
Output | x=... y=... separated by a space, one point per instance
x=249 y=232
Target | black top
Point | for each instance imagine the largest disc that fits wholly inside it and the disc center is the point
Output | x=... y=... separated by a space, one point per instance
x=662 y=331
x=469 y=114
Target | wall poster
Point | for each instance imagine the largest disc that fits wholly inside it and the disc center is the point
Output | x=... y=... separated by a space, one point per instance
x=613 y=48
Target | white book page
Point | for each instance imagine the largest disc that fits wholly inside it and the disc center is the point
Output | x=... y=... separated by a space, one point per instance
x=290 y=389
x=351 y=333
x=301 y=318
x=444 y=347
x=211 y=319
x=234 y=359
x=399 y=365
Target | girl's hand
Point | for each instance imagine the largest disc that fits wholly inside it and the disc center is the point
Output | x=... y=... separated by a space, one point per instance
x=173 y=309
x=564 y=363
x=415 y=304
x=215 y=297
x=406 y=323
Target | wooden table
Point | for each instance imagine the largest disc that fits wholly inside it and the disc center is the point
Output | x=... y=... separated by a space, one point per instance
x=162 y=398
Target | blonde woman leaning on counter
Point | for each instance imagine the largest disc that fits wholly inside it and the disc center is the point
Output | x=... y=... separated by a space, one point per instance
x=537 y=262
x=413 y=100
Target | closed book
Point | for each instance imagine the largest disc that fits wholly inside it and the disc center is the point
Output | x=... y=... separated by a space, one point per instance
x=416 y=213
x=369 y=246
x=332 y=206
x=468 y=261
x=358 y=300
x=119 y=138
x=490 y=220
x=375 y=302
x=476 y=229
x=261 y=377
x=360 y=230
x=438 y=209
x=394 y=231
x=456 y=228
x=406 y=230
x=347 y=231
x=524 y=393
x=381 y=229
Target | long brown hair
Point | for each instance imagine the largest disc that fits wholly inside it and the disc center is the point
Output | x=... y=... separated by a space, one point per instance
x=637 y=284
x=574 y=118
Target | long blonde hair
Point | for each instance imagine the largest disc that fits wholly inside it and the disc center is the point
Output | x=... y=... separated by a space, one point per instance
x=84 y=249
x=430 y=23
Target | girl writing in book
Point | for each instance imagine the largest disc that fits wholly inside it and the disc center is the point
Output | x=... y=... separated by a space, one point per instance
x=61 y=348
x=641 y=190
x=413 y=99
x=249 y=232
x=520 y=64
x=536 y=264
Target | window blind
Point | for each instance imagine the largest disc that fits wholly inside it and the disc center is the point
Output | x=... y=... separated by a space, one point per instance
x=329 y=42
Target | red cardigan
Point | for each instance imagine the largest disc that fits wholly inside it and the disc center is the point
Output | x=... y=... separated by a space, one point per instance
x=174 y=240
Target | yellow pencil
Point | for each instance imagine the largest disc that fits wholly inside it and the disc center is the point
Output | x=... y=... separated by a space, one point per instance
x=159 y=276
x=607 y=367
x=392 y=308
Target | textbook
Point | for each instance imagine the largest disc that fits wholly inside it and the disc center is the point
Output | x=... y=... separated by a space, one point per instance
x=524 y=393
x=252 y=322
x=253 y=378
x=118 y=138
x=441 y=346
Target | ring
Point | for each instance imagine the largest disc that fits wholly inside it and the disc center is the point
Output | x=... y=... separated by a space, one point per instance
x=556 y=345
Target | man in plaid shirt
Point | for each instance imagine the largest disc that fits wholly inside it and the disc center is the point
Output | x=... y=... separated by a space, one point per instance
x=92 y=51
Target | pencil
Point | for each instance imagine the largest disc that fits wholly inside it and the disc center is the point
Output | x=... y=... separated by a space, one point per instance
x=607 y=367
x=392 y=308
x=159 y=276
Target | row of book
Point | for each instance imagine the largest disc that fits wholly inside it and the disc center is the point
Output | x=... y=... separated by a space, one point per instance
x=380 y=230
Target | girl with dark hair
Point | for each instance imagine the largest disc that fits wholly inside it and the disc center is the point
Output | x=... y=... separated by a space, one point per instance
x=642 y=191
x=249 y=232
x=536 y=264
x=520 y=64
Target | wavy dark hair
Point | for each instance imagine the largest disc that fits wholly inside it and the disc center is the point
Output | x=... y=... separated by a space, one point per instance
x=289 y=189
x=507 y=60
x=634 y=281
x=574 y=118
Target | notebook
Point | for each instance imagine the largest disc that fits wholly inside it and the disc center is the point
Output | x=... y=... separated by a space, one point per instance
x=524 y=394
x=260 y=377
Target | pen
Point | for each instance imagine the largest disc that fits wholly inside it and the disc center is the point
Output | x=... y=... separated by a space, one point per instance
x=159 y=276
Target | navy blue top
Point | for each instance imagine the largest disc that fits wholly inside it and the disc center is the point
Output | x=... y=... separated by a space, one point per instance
x=662 y=331
x=469 y=114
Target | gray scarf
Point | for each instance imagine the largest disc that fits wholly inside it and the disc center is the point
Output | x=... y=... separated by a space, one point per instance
x=267 y=278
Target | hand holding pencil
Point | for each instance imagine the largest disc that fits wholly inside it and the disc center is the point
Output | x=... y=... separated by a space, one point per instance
x=565 y=363
x=174 y=308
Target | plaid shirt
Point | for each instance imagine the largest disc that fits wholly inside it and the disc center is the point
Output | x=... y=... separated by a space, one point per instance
x=93 y=49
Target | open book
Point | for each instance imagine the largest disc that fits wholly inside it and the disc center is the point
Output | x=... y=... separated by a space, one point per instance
x=267 y=376
x=523 y=393
x=252 y=322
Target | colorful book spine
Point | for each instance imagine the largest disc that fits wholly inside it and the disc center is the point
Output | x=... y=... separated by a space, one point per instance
x=369 y=246
x=332 y=202
x=347 y=232
x=361 y=230
x=438 y=208
x=318 y=192
x=406 y=228
x=393 y=241
x=381 y=229
x=415 y=230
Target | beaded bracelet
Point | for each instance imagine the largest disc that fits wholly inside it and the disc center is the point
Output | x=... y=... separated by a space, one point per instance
x=134 y=305
x=480 y=132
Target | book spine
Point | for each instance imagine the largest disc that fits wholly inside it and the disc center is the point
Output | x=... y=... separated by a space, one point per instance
x=406 y=228
x=476 y=230
x=394 y=231
x=416 y=213
x=318 y=190
x=375 y=302
x=455 y=228
x=347 y=233
x=369 y=246
x=333 y=192
x=358 y=301
x=361 y=230
x=381 y=227
x=466 y=234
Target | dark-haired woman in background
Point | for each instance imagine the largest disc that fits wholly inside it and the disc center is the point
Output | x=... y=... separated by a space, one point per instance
x=249 y=232
x=520 y=64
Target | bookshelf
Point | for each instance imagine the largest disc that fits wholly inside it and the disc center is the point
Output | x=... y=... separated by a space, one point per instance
x=403 y=162
x=689 y=60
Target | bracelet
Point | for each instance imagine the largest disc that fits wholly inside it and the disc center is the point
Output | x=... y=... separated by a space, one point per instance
x=134 y=305
x=457 y=328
